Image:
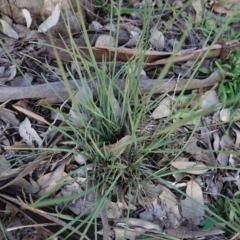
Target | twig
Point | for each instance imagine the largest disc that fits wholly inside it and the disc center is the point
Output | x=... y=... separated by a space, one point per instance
x=48 y=91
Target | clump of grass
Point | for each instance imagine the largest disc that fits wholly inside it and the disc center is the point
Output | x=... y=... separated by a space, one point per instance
x=100 y=125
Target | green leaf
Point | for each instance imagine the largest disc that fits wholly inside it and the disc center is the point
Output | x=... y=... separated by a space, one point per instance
x=207 y=224
x=204 y=70
x=118 y=166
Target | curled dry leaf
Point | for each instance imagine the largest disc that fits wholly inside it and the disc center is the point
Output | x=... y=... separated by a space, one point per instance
x=52 y=20
x=8 y=30
x=105 y=41
x=28 y=17
x=28 y=134
x=192 y=208
x=157 y=40
x=190 y=167
x=163 y=110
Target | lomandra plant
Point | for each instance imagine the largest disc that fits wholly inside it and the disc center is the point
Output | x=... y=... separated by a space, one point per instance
x=105 y=123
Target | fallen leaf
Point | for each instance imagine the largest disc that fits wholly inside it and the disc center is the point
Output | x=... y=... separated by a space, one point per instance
x=189 y=167
x=28 y=17
x=121 y=233
x=28 y=134
x=29 y=187
x=52 y=20
x=189 y=233
x=95 y=25
x=170 y=204
x=192 y=208
x=112 y=210
x=225 y=114
x=105 y=41
x=136 y=222
x=49 y=181
x=80 y=159
x=221 y=9
x=209 y=99
x=237 y=132
x=163 y=109
x=9 y=117
x=154 y=212
x=119 y=147
x=8 y=30
x=198 y=7
x=157 y=40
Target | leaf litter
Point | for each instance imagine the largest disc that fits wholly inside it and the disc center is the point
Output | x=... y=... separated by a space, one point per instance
x=176 y=205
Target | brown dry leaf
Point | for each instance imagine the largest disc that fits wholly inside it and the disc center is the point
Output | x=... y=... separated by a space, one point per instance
x=221 y=9
x=130 y=234
x=170 y=204
x=52 y=20
x=80 y=159
x=95 y=25
x=48 y=181
x=29 y=134
x=216 y=142
x=153 y=210
x=30 y=113
x=22 y=81
x=152 y=190
x=105 y=41
x=198 y=7
x=225 y=114
x=138 y=223
x=9 y=74
x=112 y=210
x=157 y=40
x=28 y=17
x=237 y=132
x=17 y=145
x=119 y=147
x=191 y=209
x=31 y=167
x=163 y=109
x=190 y=167
x=209 y=99
x=9 y=117
x=4 y=165
x=29 y=187
x=8 y=30
x=189 y=233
